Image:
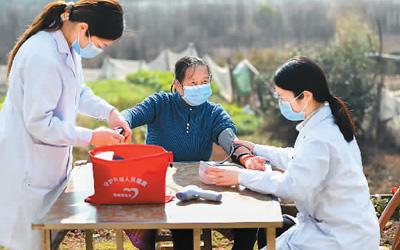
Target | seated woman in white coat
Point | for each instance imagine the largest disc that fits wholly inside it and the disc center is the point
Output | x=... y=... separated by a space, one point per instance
x=37 y=121
x=322 y=173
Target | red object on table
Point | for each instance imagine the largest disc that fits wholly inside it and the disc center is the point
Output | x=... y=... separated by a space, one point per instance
x=136 y=174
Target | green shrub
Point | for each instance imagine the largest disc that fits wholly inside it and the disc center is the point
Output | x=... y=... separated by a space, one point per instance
x=156 y=80
x=380 y=202
x=120 y=94
x=2 y=98
x=348 y=69
x=245 y=123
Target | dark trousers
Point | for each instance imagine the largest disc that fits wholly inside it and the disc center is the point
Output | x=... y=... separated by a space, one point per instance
x=287 y=223
x=243 y=239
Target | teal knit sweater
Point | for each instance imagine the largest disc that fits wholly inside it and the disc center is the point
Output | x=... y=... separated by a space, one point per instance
x=187 y=131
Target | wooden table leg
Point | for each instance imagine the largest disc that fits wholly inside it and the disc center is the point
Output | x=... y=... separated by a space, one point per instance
x=120 y=239
x=271 y=234
x=46 y=240
x=196 y=239
x=89 y=239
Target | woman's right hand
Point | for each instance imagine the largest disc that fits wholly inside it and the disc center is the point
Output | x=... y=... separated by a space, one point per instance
x=246 y=144
x=104 y=136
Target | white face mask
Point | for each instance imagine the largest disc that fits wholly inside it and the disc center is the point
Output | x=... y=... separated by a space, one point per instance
x=197 y=95
x=90 y=51
x=286 y=110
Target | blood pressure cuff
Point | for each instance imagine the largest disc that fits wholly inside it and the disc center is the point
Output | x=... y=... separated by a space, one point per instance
x=225 y=140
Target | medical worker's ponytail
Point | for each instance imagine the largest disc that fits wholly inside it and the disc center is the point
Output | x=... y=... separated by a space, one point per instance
x=104 y=19
x=342 y=117
x=300 y=74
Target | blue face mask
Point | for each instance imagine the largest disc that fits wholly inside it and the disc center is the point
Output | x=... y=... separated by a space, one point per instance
x=90 y=51
x=196 y=95
x=288 y=113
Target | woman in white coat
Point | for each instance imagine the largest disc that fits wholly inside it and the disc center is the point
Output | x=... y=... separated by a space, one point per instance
x=323 y=173
x=37 y=121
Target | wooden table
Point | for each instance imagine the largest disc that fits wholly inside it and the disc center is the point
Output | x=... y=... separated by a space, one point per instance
x=240 y=208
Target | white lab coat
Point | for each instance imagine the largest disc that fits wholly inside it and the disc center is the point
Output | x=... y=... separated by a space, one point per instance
x=37 y=132
x=324 y=176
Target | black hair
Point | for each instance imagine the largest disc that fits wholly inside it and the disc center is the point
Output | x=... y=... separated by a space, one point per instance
x=104 y=18
x=300 y=74
x=188 y=62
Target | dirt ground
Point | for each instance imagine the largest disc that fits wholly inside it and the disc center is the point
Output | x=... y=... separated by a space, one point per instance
x=382 y=169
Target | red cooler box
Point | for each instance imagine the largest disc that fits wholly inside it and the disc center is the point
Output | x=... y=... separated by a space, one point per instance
x=133 y=174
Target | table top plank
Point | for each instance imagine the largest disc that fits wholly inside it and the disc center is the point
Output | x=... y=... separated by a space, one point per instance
x=239 y=208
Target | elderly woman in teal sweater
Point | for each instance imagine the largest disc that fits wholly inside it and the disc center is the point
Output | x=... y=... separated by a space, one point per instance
x=187 y=124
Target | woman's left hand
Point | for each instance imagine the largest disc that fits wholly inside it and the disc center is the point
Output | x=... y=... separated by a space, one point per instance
x=255 y=163
x=223 y=177
x=116 y=120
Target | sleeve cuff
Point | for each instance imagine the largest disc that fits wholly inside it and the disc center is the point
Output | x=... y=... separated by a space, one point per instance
x=261 y=182
x=245 y=176
x=107 y=111
x=259 y=149
x=268 y=152
x=84 y=136
x=126 y=115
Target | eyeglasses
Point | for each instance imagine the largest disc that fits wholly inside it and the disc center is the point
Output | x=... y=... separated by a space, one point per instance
x=278 y=97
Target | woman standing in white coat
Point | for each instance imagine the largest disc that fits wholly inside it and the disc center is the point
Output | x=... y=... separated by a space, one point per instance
x=323 y=173
x=37 y=122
